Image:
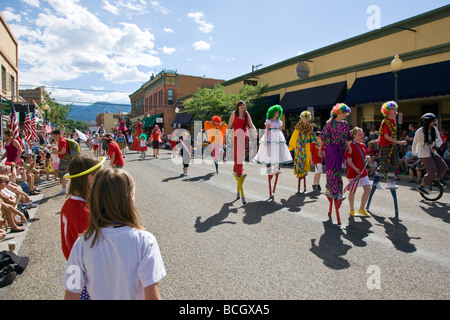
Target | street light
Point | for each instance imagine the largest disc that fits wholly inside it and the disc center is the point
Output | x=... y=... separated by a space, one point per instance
x=176 y=121
x=396 y=66
x=46 y=108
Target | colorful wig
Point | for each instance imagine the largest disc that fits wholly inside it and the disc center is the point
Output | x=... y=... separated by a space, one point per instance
x=305 y=115
x=340 y=108
x=272 y=110
x=216 y=119
x=143 y=136
x=387 y=106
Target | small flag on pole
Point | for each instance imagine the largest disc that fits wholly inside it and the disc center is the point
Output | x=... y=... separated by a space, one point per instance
x=13 y=123
x=353 y=184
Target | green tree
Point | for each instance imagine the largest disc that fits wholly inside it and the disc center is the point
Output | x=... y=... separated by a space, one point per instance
x=57 y=113
x=207 y=102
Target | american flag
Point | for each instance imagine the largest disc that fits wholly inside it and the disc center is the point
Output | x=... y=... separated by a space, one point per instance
x=13 y=123
x=34 y=126
x=353 y=184
x=27 y=128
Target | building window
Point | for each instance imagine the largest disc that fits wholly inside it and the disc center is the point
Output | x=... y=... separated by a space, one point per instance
x=170 y=97
x=3 y=78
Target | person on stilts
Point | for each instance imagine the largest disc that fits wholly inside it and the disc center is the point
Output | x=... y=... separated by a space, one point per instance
x=273 y=150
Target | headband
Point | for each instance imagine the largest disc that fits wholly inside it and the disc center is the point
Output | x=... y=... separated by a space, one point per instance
x=98 y=165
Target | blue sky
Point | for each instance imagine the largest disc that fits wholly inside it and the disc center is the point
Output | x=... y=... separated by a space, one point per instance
x=109 y=48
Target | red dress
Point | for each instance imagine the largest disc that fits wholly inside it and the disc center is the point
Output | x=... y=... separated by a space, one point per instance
x=136 y=144
x=240 y=135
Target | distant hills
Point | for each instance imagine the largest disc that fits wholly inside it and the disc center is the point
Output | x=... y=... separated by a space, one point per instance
x=89 y=112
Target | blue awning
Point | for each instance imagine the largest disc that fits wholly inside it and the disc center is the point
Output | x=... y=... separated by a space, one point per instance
x=419 y=82
x=183 y=118
x=318 y=97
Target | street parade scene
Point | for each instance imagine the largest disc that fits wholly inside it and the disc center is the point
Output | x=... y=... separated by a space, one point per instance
x=333 y=192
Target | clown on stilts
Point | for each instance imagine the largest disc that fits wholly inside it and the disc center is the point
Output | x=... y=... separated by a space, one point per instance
x=301 y=140
x=336 y=137
x=215 y=131
x=273 y=150
x=389 y=157
x=240 y=120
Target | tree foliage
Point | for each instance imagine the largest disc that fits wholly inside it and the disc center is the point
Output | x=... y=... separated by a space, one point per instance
x=208 y=102
x=57 y=113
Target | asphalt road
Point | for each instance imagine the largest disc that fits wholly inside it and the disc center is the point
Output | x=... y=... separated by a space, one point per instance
x=214 y=247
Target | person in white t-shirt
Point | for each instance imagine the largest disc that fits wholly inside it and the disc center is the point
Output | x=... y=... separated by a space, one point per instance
x=115 y=258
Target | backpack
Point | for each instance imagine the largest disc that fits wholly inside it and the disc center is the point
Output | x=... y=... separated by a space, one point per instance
x=74 y=149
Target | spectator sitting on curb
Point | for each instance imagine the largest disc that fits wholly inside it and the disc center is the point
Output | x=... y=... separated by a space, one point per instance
x=416 y=169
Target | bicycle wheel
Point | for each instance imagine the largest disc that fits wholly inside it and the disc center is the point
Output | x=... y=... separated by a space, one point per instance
x=435 y=192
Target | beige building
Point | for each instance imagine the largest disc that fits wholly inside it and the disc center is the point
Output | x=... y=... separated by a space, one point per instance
x=9 y=61
x=358 y=71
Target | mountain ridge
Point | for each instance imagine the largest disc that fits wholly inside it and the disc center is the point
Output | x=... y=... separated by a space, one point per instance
x=89 y=112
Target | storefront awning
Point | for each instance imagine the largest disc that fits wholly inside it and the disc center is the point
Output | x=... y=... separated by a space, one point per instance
x=183 y=118
x=318 y=97
x=419 y=82
x=150 y=121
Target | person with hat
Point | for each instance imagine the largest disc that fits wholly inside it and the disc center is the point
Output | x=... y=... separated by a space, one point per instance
x=426 y=142
x=387 y=140
x=216 y=130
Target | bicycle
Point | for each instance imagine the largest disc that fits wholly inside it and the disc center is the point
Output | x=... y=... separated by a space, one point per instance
x=435 y=191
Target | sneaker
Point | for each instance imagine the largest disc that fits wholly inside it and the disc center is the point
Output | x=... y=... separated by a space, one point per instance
x=391 y=185
x=364 y=212
x=339 y=197
x=328 y=194
x=62 y=192
x=422 y=189
x=378 y=186
x=353 y=213
x=31 y=205
x=441 y=184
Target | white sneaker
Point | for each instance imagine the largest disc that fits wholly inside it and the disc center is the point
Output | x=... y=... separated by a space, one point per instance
x=378 y=186
x=391 y=185
x=62 y=192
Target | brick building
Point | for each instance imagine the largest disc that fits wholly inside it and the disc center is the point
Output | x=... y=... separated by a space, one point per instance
x=155 y=101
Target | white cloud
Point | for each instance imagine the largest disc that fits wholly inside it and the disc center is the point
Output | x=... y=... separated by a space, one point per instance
x=168 y=30
x=33 y=3
x=109 y=7
x=9 y=15
x=198 y=17
x=157 y=6
x=67 y=41
x=168 y=51
x=201 y=45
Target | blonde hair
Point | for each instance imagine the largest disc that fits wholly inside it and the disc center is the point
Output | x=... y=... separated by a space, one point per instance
x=354 y=131
x=3 y=178
x=111 y=202
x=305 y=115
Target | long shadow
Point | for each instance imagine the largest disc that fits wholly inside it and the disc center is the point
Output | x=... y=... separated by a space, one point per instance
x=296 y=201
x=437 y=209
x=206 y=177
x=357 y=231
x=397 y=233
x=331 y=248
x=216 y=219
x=255 y=211
x=172 y=178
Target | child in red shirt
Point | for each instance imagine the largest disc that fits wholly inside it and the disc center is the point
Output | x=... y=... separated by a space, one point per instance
x=317 y=162
x=75 y=211
x=114 y=152
x=357 y=173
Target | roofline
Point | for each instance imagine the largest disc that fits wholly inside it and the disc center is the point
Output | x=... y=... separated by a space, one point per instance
x=393 y=28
